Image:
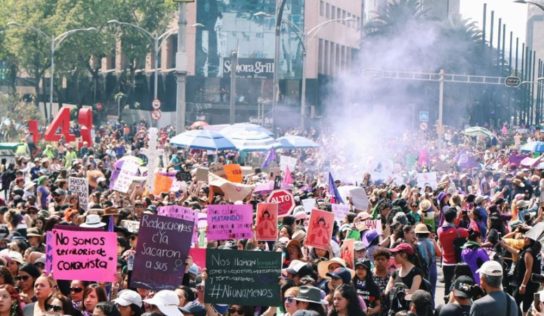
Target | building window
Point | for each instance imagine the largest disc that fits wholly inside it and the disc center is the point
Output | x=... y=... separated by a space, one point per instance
x=320 y=57
x=338 y=13
x=321 y=8
x=337 y=59
x=327 y=11
x=333 y=12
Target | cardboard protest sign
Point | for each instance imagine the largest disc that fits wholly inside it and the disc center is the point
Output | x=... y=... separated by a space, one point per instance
x=340 y=211
x=288 y=162
x=199 y=256
x=359 y=199
x=84 y=255
x=217 y=169
x=233 y=172
x=233 y=191
x=243 y=277
x=201 y=174
x=308 y=205
x=163 y=183
x=230 y=222
x=347 y=252
x=80 y=187
x=267 y=222
x=320 y=229
x=427 y=178
x=163 y=245
x=284 y=199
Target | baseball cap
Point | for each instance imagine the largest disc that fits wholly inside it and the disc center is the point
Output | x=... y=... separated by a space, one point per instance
x=341 y=273
x=491 y=268
x=194 y=308
x=462 y=286
x=166 y=301
x=127 y=297
x=403 y=247
x=295 y=266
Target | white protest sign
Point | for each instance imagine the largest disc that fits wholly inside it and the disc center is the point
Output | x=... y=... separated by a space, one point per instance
x=131 y=226
x=308 y=205
x=340 y=211
x=427 y=178
x=286 y=161
x=80 y=187
x=374 y=224
x=359 y=199
x=128 y=172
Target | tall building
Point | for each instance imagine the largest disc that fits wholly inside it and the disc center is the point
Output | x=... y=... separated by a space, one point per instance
x=440 y=9
x=535 y=30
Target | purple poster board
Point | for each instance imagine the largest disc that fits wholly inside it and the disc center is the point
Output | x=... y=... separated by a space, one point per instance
x=230 y=222
x=180 y=212
x=163 y=246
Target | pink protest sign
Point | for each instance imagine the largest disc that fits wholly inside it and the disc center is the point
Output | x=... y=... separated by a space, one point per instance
x=84 y=255
x=230 y=222
x=320 y=229
x=267 y=221
x=180 y=212
x=199 y=256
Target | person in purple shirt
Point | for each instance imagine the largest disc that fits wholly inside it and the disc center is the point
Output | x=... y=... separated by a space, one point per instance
x=473 y=255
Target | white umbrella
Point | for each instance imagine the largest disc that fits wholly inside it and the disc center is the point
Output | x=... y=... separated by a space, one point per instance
x=234 y=129
x=202 y=139
x=293 y=141
x=476 y=131
x=252 y=141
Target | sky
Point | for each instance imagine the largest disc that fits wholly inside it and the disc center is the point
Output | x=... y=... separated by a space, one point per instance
x=513 y=14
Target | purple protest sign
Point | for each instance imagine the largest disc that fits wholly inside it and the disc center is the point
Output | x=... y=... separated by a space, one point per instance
x=163 y=246
x=230 y=222
x=180 y=212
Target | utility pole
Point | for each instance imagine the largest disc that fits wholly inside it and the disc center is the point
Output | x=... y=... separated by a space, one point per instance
x=181 y=66
x=232 y=99
x=441 y=99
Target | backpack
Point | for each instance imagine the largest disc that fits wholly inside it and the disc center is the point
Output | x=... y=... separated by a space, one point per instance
x=458 y=242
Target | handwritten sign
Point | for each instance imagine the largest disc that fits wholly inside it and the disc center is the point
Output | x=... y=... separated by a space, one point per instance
x=180 y=212
x=230 y=222
x=131 y=226
x=163 y=245
x=48 y=252
x=233 y=172
x=80 y=187
x=163 y=182
x=84 y=255
x=340 y=211
x=320 y=229
x=127 y=174
x=267 y=222
x=243 y=277
x=374 y=224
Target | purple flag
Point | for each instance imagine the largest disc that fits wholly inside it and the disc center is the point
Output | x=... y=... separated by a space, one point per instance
x=270 y=157
x=333 y=191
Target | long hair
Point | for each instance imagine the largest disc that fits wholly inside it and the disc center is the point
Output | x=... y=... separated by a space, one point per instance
x=15 y=309
x=100 y=292
x=348 y=292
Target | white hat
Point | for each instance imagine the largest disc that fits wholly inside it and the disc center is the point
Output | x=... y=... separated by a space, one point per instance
x=166 y=301
x=127 y=297
x=15 y=256
x=491 y=268
x=93 y=220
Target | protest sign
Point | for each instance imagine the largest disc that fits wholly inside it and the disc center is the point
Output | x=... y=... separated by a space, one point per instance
x=217 y=169
x=347 y=252
x=48 y=252
x=80 y=187
x=284 y=199
x=201 y=174
x=340 y=211
x=233 y=172
x=320 y=229
x=163 y=182
x=233 y=191
x=288 y=162
x=375 y=224
x=84 y=255
x=163 y=245
x=243 y=277
x=230 y=222
x=359 y=199
x=180 y=212
x=267 y=222
x=199 y=256
x=308 y=205
x=427 y=178
x=131 y=226
x=125 y=176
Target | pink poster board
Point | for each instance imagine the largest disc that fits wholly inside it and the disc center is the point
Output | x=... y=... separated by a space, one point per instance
x=320 y=229
x=227 y=222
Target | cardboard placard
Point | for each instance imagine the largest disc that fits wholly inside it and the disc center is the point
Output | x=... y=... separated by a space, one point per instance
x=230 y=222
x=84 y=255
x=243 y=277
x=163 y=245
x=374 y=224
x=122 y=179
x=320 y=229
x=233 y=172
x=131 y=226
x=308 y=204
x=80 y=187
x=201 y=174
x=266 y=227
x=163 y=183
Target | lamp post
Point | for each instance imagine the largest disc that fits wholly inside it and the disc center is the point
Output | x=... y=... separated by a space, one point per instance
x=540 y=6
x=157 y=43
x=55 y=43
x=181 y=65
x=303 y=38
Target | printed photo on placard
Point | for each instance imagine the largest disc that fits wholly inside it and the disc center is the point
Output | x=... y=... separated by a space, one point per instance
x=267 y=222
x=320 y=229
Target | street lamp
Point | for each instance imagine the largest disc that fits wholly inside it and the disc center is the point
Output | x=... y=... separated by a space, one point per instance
x=157 y=43
x=540 y=6
x=303 y=38
x=55 y=43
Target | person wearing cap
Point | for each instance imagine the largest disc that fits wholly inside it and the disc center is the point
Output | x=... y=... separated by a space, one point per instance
x=193 y=309
x=447 y=234
x=497 y=302
x=366 y=287
x=166 y=302
x=309 y=298
x=408 y=273
x=460 y=298
x=129 y=303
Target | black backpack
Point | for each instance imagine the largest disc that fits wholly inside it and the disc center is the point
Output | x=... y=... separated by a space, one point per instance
x=458 y=243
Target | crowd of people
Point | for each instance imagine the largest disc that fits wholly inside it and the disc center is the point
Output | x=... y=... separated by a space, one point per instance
x=477 y=229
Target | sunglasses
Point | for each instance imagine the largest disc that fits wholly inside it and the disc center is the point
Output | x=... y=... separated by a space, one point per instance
x=289 y=299
x=235 y=311
x=76 y=289
x=22 y=277
x=54 y=308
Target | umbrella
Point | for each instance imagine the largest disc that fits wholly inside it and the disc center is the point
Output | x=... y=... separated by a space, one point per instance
x=292 y=141
x=476 y=131
x=198 y=124
x=536 y=146
x=129 y=158
x=252 y=141
x=202 y=139
x=237 y=128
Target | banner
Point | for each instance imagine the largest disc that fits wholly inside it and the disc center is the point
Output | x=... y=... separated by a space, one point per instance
x=320 y=229
x=163 y=245
x=228 y=221
x=340 y=211
x=233 y=172
x=267 y=222
x=243 y=277
x=286 y=161
x=85 y=255
x=80 y=187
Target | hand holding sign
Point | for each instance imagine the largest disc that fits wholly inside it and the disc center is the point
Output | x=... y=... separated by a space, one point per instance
x=320 y=229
